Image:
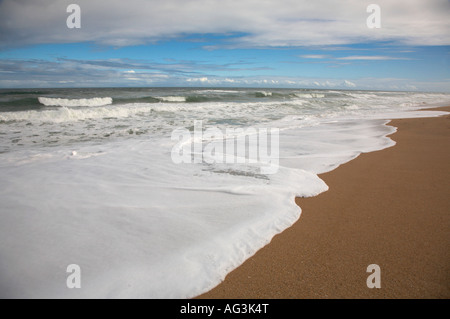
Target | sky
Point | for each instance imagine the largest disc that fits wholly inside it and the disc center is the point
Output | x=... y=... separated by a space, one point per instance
x=229 y=43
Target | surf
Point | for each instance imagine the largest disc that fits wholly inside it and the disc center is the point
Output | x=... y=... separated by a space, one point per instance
x=96 y=101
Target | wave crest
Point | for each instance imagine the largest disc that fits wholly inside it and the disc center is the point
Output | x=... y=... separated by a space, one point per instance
x=96 y=101
x=172 y=98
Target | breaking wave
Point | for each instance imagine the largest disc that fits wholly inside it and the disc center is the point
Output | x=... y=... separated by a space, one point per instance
x=96 y=101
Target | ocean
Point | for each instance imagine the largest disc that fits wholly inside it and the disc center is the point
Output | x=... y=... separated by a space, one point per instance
x=160 y=192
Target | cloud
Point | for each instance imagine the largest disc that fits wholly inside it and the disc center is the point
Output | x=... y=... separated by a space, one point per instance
x=203 y=79
x=55 y=74
x=116 y=72
x=43 y=73
x=371 y=58
x=249 y=23
x=349 y=84
x=313 y=56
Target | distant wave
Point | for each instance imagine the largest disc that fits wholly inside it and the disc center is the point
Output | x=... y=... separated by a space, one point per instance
x=172 y=98
x=96 y=101
x=139 y=100
x=309 y=95
x=263 y=94
x=190 y=99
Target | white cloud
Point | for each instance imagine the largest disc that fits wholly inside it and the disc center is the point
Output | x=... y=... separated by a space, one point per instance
x=260 y=23
x=42 y=73
x=202 y=79
x=349 y=84
x=313 y=56
x=370 y=58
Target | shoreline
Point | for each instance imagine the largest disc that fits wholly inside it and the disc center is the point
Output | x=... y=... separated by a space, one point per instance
x=388 y=207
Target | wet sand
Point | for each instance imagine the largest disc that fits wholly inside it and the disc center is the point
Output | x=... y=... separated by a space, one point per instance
x=390 y=208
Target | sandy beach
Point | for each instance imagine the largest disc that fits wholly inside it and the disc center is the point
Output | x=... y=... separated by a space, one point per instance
x=389 y=208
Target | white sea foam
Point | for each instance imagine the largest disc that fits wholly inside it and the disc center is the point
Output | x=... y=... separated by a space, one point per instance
x=96 y=101
x=66 y=114
x=309 y=95
x=84 y=188
x=172 y=98
x=264 y=93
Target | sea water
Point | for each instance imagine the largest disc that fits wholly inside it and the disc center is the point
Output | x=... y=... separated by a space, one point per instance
x=87 y=177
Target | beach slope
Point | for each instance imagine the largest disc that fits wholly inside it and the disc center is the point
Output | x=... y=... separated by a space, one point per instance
x=390 y=208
